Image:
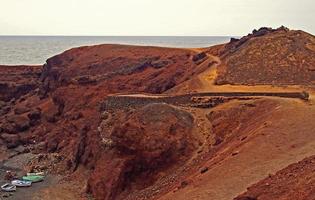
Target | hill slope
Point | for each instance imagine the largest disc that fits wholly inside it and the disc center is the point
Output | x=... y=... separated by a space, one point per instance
x=268 y=56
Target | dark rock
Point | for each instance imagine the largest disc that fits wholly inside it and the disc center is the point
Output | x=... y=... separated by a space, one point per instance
x=183 y=184
x=234 y=40
x=52 y=146
x=21 y=110
x=199 y=57
x=10 y=140
x=204 y=170
x=76 y=116
x=15 y=91
x=2 y=104
x=21 y=149
x=34 y=116
x=85 y=80
x=105 y=115
x=4 y=110
x=51 y=118
x=250 y=105
x=20 y=123
x=262 y=31
x=78 y=149
x=160 y=64
x=7 y=127
x=217 y=141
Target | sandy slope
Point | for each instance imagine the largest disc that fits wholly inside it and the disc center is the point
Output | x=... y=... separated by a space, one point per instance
x=282 y=137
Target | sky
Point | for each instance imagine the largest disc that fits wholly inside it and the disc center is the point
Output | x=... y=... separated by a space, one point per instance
x=152 y=17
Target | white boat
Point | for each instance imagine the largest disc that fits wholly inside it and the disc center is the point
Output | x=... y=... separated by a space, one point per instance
x=21 y=183
x=8 y=187
x=35 y=174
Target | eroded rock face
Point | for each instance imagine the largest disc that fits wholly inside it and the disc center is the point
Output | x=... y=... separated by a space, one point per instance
x=11 y=140
x=150 y=140
x=14 y=124
x=16 y=81
x=159 y=68
x=152 y=131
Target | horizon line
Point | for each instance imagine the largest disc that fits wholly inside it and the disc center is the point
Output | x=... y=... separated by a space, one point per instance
x=119 y=35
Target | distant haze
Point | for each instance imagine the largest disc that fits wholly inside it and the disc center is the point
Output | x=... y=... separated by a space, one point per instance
x=152 y=17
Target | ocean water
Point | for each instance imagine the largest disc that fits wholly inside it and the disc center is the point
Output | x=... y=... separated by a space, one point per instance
x=17 y=50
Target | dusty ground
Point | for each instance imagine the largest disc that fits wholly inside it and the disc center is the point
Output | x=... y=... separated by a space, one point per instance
x=298 y=184
x=277 y=142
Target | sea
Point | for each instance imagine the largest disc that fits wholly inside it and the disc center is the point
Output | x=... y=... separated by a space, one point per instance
x=33 y=50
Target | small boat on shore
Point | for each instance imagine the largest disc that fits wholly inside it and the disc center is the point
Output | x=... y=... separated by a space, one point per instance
x=33 y=179
x=36 y=174
x=8 y=187
x=21 y=183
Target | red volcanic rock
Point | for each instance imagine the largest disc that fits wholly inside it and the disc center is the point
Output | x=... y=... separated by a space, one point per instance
x=10 y=140
x=107 y=180
x=153 y=131
x=21 y=110
x=151 y=139
x=15 y=81
x=15 y=124
x=34 y=116
x=149 y=69
x=51 y=111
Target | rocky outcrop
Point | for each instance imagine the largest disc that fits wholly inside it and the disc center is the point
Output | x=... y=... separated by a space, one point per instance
x=200 y=57
x=15 y=124
x=269 y=57
x=235 y=43
x=16 y=81
x=148 y=141
x=11 y=140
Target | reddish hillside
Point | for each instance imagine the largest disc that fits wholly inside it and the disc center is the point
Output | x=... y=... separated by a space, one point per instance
x=62 y=117
x=69 y=116
x=269 y=56
x=148 y=69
